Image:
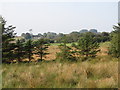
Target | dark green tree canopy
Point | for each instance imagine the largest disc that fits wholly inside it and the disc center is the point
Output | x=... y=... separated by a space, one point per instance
x=29 y=48
x=115 y=42
x=41 y=47
x=8 y=43
x=66 y=52
x=87 y=46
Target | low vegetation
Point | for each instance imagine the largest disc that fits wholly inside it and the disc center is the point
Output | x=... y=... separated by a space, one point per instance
x=97 y=73
x=90 y=61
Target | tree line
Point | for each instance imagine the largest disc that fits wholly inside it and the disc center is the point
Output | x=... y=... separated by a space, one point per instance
x=71 y=37
x=86 y=46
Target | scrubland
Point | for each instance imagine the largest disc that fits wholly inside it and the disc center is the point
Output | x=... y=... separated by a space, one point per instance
x=99 y=72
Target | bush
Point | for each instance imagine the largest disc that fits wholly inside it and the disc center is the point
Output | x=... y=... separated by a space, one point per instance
x=115 y=42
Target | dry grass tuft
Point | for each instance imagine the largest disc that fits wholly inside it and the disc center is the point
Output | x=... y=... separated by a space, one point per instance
x=61 y=75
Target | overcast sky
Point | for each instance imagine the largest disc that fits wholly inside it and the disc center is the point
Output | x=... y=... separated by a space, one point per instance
x=60 y=17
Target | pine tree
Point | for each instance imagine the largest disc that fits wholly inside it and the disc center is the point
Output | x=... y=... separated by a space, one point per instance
x=115 y=42
x=87 y=46
x=19 y=51
x=8 y=43
x=66 y=52
x=41 y=46
x=29 y=48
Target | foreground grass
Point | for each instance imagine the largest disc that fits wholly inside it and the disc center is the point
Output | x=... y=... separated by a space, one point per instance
x=98 y=73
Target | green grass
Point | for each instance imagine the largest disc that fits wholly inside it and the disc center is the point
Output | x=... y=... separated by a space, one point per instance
x=56 y=44
x=105 y=44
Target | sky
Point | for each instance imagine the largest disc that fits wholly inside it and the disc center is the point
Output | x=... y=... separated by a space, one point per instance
x=60 y=17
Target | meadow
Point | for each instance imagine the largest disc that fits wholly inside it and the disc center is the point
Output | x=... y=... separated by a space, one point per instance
x=99 y=72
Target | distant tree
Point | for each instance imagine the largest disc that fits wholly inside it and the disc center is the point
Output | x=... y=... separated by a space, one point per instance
x=51 y=35
x=44 y=35
x=93 y=30
x=58 y=38
x=8 y=43
x=60 y=35
x=115 y=42
x=69 y=39
x=41 y=46
x=40 y=35
x=98 y=38
x=29 y=48
x=87 y=46
x=105 y=36
x=83 y=31
x=26 y=35
x=75 y=36
x=23 y=34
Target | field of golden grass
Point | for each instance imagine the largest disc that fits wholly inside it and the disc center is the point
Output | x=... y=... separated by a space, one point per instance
x=89 y=74
x=100 y=72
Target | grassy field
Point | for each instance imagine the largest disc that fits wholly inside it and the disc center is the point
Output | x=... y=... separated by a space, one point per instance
x=56 y=44
x=100 y=72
